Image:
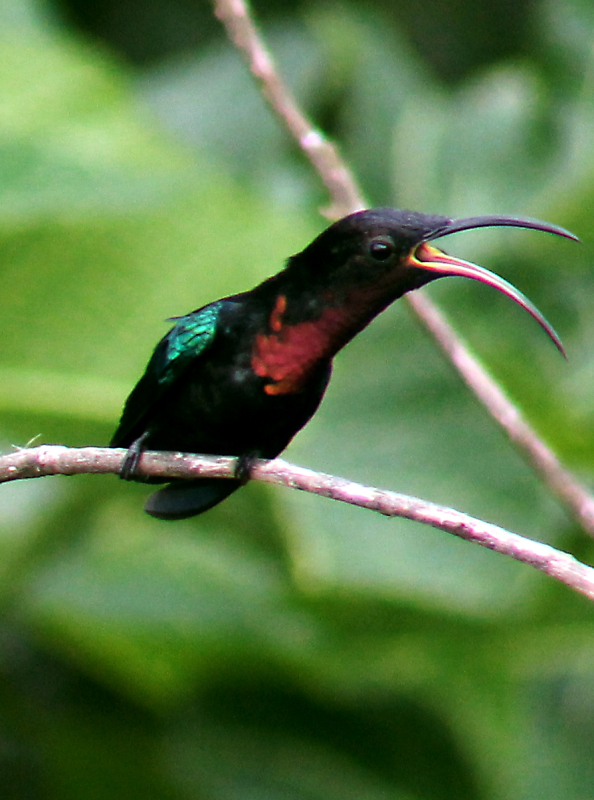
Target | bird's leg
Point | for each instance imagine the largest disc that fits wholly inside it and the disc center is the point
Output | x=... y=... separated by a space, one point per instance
x=244 y=465
x=128 y=470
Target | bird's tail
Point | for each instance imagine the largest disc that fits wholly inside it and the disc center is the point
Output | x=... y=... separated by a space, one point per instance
x=182 y=499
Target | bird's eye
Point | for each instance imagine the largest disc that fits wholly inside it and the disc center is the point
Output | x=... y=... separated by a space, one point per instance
x=381 y=249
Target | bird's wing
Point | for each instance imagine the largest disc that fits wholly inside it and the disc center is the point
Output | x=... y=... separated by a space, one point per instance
x=187 y=340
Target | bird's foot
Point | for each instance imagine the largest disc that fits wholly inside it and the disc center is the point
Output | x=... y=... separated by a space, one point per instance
x=132 y=459
x=244 y=465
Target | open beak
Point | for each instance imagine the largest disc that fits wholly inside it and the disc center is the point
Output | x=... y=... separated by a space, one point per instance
x=430 y=259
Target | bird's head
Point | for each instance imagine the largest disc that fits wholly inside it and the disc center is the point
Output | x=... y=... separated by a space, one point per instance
x=392 y=248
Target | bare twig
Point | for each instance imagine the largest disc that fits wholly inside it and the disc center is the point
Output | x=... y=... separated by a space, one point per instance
x=323 y=154
x=346 y=198
x=57 y=460
x=541 y=458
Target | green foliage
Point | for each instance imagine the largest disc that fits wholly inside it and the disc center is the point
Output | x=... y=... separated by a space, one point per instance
x=283 y=646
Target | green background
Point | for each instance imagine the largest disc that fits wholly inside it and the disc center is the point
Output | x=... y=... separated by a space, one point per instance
x=284 y=647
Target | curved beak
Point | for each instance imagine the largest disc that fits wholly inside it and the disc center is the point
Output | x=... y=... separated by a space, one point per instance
x=430 y=259
x=495 y=221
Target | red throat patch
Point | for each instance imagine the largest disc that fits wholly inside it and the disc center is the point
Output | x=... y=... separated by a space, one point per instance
x=289 y=353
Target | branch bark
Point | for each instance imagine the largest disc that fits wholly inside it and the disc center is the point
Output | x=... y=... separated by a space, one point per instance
x=36 y=462
x=346 y=198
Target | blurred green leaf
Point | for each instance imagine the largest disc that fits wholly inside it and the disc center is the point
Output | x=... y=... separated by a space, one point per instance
x=151 y=610
x=234 y=762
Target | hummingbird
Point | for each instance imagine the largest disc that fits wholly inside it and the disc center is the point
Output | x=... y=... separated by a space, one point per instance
x=242 y=375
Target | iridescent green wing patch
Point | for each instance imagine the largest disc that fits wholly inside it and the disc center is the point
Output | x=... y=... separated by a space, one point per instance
x=186 y=341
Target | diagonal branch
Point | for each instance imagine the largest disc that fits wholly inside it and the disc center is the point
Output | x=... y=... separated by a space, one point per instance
x=560 y=481
x=343 y=190
x=58 y=460
x=346 y=198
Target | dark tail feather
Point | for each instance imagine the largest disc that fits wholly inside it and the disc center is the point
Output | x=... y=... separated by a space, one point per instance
x=184 y=499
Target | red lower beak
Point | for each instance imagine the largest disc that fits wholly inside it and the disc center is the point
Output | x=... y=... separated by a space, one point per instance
x=429 y=258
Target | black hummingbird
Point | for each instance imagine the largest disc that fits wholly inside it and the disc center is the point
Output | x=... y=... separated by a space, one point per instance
x=242 y=375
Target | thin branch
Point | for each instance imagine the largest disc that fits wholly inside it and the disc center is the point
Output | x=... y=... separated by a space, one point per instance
x=323 y=154
x=541 y=458
x=58 y=460
x=347 y=198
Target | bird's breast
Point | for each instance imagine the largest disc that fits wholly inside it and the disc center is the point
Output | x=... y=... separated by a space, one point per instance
x=288 y=354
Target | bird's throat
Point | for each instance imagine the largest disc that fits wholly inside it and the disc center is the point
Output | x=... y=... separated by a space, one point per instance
x=289 y=353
